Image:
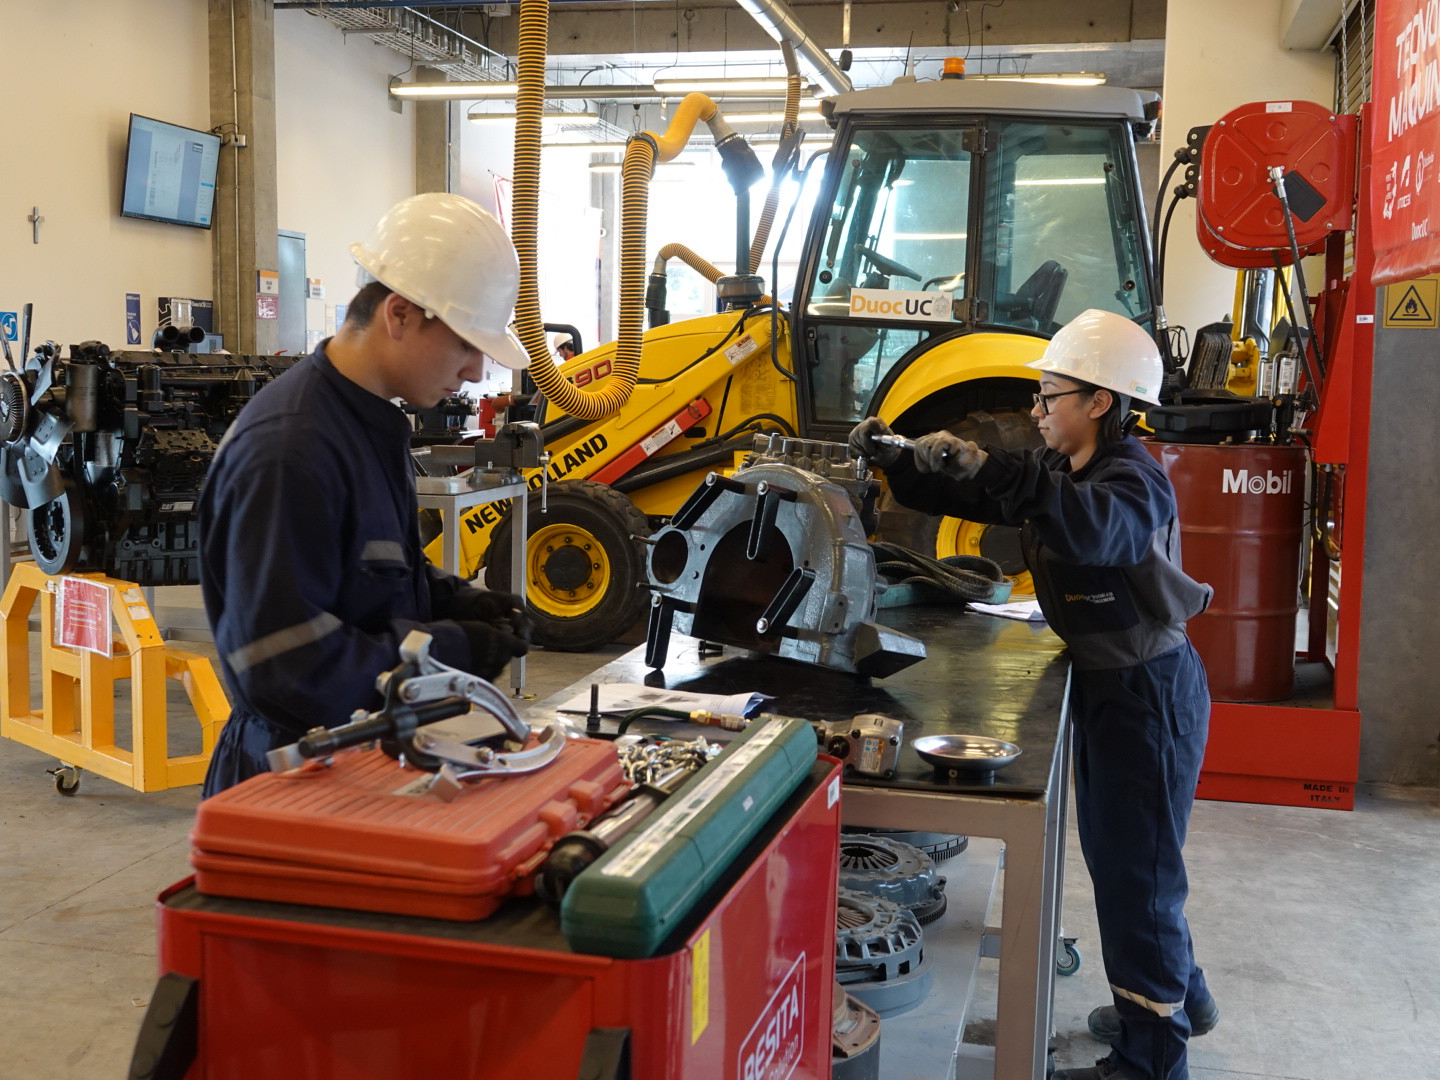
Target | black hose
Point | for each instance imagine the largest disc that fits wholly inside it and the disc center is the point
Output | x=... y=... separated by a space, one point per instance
x=1283 y=196
x=1290 y=310
x=650 y=710
x=1181 y=156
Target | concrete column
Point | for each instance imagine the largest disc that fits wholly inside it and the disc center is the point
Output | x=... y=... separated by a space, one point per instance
x=1399 y=635
x=242 y=104
x=437 y=152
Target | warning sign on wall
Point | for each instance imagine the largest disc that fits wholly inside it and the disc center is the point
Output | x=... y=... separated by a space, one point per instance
x=82 y=615
x=1413 y=305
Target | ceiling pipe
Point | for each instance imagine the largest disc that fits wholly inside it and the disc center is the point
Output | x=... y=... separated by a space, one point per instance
x=777 y=20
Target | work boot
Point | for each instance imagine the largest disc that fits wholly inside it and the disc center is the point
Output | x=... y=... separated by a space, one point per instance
x=1104 y=1022
x=1104 y=1069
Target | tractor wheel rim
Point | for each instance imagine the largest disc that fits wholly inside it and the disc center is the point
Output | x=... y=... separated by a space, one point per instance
x=564 y=546
x=957 y=537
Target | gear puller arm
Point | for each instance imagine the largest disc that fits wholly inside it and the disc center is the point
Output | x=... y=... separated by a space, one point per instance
x=420 y=691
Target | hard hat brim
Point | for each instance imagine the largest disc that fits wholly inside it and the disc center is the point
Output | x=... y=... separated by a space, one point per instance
x=505 y=349
x=1056 y=367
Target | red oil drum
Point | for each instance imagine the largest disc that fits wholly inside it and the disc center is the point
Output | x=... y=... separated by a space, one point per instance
x=1242 y=520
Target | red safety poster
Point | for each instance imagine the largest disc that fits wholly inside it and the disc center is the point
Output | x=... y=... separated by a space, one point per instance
x=1403 y=183
x=82 y=615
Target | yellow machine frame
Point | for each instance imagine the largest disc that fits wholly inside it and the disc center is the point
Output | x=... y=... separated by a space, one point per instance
x=76 y=720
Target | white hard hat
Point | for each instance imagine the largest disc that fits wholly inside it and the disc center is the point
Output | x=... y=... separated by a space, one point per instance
x=447 y=255
x=1108 y=350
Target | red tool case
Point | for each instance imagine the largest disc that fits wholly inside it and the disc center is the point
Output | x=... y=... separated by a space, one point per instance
x=364 y=835
x=742 y=990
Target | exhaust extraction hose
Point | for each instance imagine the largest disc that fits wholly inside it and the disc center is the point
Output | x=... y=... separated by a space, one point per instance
x=784 y=156
x=525 y=214
x=701 y=265
x=640 y=156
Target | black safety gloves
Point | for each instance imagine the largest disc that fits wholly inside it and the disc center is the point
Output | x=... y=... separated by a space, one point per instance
x=941 y=452
x=496 y=626
x=862 y=445
x=484 y=605
x=492 y=647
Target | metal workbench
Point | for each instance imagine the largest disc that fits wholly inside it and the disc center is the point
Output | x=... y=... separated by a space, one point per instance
x=985 y=676
x=452 y=496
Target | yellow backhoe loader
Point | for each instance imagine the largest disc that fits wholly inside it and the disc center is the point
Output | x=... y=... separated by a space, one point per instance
x=959 y=223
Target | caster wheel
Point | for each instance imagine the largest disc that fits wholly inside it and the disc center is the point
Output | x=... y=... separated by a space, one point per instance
x=1068 y=962
x=67 y=779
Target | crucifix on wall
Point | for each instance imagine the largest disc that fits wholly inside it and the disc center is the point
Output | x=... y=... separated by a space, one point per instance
x=35 y=222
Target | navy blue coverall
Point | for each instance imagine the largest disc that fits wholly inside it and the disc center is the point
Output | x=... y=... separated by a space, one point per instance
x=1103 y=546
x=311 y=565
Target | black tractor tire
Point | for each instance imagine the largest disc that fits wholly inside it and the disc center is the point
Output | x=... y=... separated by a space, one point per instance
x=585 y=577
x=1005 y=427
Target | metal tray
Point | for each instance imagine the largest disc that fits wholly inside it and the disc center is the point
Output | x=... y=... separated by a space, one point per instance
x=971 y=753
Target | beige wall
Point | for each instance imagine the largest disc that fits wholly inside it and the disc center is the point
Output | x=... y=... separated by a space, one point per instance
x=343 y=157
x=73 y=72
x=1221 y=54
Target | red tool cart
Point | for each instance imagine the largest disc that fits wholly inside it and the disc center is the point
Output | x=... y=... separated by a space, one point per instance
x=741 y=990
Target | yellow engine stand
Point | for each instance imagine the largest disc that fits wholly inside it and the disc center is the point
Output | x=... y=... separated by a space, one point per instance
x=76 y=721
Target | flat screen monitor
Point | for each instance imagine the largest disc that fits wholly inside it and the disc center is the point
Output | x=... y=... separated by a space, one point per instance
x=170 y=173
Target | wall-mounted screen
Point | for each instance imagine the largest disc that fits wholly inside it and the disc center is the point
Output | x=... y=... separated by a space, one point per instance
x=170 y=173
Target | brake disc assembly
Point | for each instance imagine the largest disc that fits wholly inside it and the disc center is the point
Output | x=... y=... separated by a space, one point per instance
x=886 y=869
x=879 y=953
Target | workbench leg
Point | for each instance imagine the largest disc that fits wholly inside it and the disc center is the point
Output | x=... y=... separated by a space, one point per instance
x=1056 y=824
x=450 y=540
x=519 y=559
x=1027 y=954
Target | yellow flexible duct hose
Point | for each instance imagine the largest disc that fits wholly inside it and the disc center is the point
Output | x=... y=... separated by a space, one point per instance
x=772 y=199
x=635 y=173
x=701 y=265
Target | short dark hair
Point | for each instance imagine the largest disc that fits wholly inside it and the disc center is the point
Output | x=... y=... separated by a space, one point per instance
x=365 y=302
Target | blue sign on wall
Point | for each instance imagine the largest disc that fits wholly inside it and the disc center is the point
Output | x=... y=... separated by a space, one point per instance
x=132 y=318
x=10 y=325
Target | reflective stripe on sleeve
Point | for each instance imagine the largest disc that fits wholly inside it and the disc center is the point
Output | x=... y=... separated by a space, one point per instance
x=382 y=550
x=1160 y=1008
x=282 y=641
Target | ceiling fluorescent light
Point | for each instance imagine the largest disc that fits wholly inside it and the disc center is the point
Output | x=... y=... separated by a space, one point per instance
x=550 y=121
x=771 y=117
x=454 y=91
x=737 y=85
x=1078 y=78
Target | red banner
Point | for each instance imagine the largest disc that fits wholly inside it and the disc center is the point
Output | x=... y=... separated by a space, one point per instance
x=1404 y=182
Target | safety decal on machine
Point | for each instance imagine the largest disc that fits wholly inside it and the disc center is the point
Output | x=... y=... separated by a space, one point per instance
x=776 y=1042
x=699 y=987
x=728 y=768
x=741 y=349
x=832 y=793
x=665 y=435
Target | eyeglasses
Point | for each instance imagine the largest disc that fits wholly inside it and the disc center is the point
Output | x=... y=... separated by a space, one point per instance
x=1043 y=400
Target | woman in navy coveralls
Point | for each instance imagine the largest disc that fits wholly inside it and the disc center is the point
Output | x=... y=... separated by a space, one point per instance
x=1100 y=536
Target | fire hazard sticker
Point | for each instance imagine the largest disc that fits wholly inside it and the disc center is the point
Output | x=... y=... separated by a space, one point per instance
x=773 y=1048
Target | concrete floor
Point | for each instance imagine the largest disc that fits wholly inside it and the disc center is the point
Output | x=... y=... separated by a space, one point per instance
x=1319 y=930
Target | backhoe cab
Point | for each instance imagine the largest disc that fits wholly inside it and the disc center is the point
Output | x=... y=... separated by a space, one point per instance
x=959 y=224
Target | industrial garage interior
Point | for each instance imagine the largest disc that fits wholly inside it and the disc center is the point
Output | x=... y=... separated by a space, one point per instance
x=732 y=517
